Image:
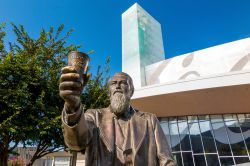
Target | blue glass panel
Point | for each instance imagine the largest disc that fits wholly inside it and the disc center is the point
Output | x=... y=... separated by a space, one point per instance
x=165 y=128
x=216 y=118
x=226 y=161
x=187 y=159
x=174 y=135
x=241 y=160
x=184 y=134
x=245 y=127
x=199 y=160
x=229 y=117
x=235 y=138
x=195 y=138
x=192 y=119
x=177 y=158
x=207 y=136
x=221 y=139
x=212 y=160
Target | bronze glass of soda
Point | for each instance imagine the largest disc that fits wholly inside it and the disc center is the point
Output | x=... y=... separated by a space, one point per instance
x=79 y=61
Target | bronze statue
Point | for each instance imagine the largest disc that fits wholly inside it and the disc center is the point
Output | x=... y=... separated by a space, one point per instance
x=115 y=136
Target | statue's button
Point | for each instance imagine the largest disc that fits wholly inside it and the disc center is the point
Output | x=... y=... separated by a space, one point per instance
x=127 y=151
x=128 y=156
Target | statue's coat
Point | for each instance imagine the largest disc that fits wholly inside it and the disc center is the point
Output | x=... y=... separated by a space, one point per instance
x=145 y=144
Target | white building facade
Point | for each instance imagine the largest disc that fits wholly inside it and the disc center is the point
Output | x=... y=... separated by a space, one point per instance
x=202 y=98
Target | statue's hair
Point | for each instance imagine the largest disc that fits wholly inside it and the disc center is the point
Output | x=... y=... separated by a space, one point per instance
x=130 y=81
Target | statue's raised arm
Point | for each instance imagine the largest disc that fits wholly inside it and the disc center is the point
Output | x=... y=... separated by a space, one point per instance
x=117 y=135
x=72 y=81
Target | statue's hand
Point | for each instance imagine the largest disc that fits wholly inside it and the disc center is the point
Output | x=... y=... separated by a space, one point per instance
x=71 y=88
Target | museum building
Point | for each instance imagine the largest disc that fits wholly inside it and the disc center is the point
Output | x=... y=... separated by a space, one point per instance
x=202 y=98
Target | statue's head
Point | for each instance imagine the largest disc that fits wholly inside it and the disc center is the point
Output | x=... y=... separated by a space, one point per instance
x=121 y=89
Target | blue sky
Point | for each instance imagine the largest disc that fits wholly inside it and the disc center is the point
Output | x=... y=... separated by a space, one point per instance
x=187 y=25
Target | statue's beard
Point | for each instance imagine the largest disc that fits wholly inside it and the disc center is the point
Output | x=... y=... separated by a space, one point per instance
x=119 y=103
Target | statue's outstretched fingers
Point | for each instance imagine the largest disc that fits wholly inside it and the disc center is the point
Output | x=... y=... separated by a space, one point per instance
x=67 y=93
x=69 y=77
x=70 y=85
x=68 y=69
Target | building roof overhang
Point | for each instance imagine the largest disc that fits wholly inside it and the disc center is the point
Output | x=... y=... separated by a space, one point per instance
x=217 y=94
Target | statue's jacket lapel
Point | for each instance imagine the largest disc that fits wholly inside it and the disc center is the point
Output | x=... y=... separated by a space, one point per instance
x=106 y=127
x=133 y=141
x=138 y=127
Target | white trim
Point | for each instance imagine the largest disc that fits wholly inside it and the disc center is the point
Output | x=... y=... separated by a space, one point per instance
x=221 y=80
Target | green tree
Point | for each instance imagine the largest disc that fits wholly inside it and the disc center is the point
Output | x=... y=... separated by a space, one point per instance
x=30 y=106
x=29 y=98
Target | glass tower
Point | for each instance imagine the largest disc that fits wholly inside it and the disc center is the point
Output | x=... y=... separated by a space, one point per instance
x=142 y=43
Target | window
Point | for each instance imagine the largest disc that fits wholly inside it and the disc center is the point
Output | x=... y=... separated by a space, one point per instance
x=212 y=140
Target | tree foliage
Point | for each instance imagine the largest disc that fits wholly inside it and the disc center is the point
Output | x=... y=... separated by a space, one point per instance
x=95 y=93
x=29 y=101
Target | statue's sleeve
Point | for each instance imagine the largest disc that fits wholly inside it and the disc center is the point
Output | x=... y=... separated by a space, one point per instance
x=77 y=128
x=163 y=150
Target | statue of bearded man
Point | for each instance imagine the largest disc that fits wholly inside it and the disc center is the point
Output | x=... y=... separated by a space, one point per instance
x=117 y=135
